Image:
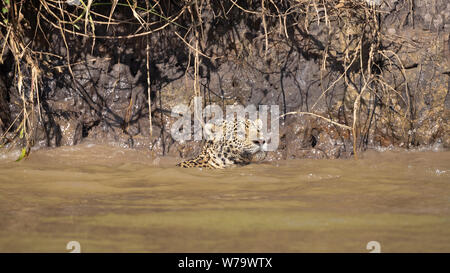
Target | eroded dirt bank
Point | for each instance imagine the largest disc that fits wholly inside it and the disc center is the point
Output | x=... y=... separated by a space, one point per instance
x=316 y=57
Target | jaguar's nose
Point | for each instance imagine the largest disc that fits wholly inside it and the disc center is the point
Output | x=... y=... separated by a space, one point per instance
x=259 y=141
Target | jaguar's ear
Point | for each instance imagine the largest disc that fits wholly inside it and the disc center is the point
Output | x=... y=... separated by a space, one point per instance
x=209 y=130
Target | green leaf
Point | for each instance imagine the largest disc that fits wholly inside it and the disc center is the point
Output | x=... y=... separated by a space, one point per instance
x=21 y=134
x=7 y=2
x=22 y=154
x=4 y=10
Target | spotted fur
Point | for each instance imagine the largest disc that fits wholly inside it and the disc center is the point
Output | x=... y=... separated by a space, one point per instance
x=229 y=145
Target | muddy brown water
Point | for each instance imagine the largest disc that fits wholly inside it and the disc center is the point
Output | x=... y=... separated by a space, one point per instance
x=111 y=199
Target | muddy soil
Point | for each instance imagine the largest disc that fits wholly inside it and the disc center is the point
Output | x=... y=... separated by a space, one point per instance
x=106 y=99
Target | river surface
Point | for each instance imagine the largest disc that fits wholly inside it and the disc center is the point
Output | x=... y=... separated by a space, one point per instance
x=111 y=199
